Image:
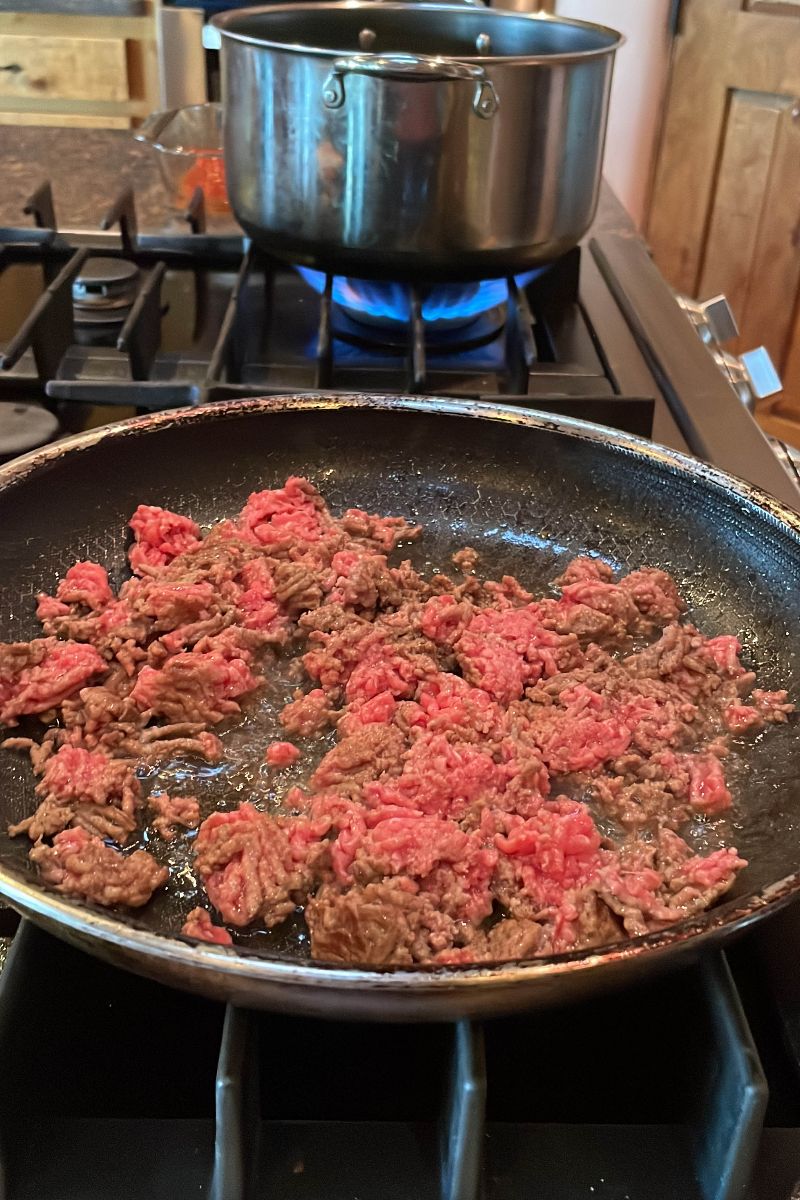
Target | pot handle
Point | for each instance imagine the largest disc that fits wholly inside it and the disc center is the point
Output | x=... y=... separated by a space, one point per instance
x=410 y=67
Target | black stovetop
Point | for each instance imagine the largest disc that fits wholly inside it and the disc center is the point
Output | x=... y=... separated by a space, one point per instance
x=687 y=1088
x=684 y=1088
x=597 y=336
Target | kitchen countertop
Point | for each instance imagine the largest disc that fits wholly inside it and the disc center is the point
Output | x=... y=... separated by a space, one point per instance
x=87 y=168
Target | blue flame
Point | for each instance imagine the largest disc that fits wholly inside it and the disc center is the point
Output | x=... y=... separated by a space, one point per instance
x=390 y=301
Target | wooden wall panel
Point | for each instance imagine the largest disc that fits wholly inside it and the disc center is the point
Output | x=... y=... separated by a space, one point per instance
x=791 y=367
x=729 y=249
x=687 y=157
x=774 y=287
x=777 y=8
x=764 y=53
x=79 y=67
x=73 y=121
x=62 y=67
x=725 y=208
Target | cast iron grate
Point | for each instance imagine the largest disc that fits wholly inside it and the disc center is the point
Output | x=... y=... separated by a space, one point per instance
x=116 y=1086
x=260 y=329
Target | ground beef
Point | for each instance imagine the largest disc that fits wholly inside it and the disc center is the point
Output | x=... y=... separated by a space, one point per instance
x=85 y=866
x=251 y=865
x=171 y=811
x=256 y=604
x=466 y=560
x=581 y=569
x=39 y=675
x=198 y=925
x=281 y=754
x=86 y=789
x=368 y=754
x=389 y=922
x=652 y=884
x=764 y=708
x=85 y=585
x=363 y=582
x=503 y=651
x=384 y=532
x=194 y=687
x=286 y=517
x=308 y=714
x=481 y=733
x=160 y=536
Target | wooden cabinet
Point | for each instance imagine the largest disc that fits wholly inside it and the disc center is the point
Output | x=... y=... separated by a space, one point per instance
x=78 y=68
x=724 y=214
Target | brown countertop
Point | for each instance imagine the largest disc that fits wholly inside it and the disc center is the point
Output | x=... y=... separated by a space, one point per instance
x=87 y=168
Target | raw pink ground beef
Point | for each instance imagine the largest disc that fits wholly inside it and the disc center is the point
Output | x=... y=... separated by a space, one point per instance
x=160 y=536
x=281 y=754
x=479 y=730
x=48 y=671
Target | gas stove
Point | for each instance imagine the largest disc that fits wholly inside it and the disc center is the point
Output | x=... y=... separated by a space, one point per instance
x=98 y=324
x=117 y=1087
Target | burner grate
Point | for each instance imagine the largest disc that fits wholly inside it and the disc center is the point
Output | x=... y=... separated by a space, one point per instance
x=257 y=328
x=659 y=1094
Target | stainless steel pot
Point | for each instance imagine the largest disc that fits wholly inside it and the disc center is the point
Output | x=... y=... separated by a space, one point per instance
x=425 y=141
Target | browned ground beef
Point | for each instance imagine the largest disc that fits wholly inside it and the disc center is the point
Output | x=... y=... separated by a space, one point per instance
x=441 y=825
x=173 y=811
x=85 y=866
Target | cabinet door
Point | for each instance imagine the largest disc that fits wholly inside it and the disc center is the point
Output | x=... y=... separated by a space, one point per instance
x=725 y=206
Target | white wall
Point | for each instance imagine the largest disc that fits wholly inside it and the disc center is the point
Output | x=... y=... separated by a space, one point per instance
x=637 y=93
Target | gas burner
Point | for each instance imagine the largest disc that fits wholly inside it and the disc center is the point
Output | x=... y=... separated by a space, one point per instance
x=24 y=427
x=444 y=307
x=103 y=292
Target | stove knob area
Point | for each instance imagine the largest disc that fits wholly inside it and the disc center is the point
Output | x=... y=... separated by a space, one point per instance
x=713 y=319
x=752 y=375
x=764 y=379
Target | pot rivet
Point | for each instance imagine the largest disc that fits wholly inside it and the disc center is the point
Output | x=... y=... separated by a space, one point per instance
x=366 y=39
x=333 y=91
x=483 y=43
x=485 y=102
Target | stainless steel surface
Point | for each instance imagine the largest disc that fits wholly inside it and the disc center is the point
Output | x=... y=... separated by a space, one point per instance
x=425 y=156
x=647 y=503
x=409 y=66
x=212 y=39
x=752 y=375
x=713 y=319
x=764 y=379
